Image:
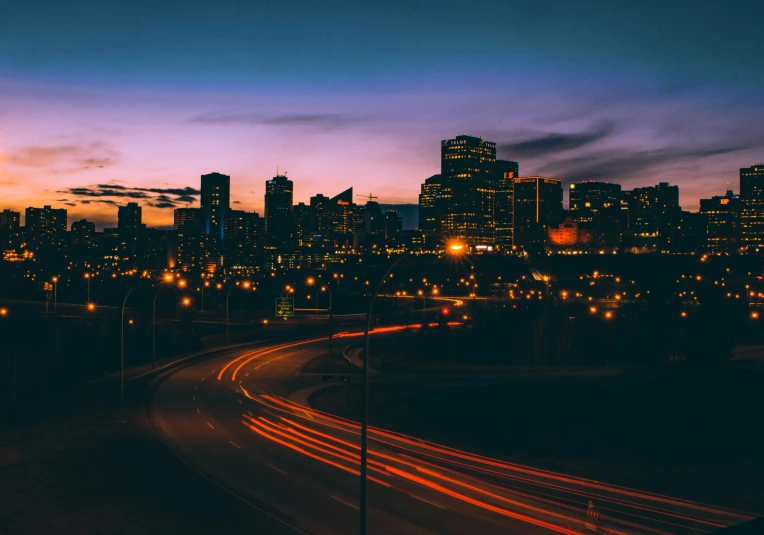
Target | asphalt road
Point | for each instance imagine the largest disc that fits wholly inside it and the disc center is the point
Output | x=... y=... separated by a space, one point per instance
x=241 y=420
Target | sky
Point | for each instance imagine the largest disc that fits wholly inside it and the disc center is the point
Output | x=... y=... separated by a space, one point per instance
x=105 y=102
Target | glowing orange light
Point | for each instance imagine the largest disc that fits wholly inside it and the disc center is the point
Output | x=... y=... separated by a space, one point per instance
x=3 y=311
x=311 y=281
x=608 y=315
x=186 y=301
x=593 y=310
x=456 y=248
x=684 y=314
x=168 y=277
x=91 y=306
x=754 y=315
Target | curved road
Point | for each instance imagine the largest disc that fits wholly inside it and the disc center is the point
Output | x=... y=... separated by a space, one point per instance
x=234 y=419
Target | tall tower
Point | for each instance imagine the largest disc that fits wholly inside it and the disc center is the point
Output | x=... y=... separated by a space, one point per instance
x=278 y=210
x=504 y=204
x=468 y=168
x=216 y=198
x=752 y=200
x=430 y=204
x=129 y=218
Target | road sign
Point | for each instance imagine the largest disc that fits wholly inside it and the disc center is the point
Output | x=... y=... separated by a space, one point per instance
x=285 y=306
x=335 y=378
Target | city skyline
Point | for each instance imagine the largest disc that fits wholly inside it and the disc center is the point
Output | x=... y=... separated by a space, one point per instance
x=588 y=104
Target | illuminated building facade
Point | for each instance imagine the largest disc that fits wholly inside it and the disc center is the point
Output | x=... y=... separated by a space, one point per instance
x=654 y=213
x=752 y=204
x=538 y=204
x=568 y=234
x=243 y=241
x=279 y=193
x=468 y=167
x=722 y=214
x=504 y=202
x=45 y=225
x=430 y=205
x=215 y=202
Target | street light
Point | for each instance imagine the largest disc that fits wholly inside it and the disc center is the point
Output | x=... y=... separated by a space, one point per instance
x=327 y=289
x=87 y=278
x=3 y=311
x=91 y=307
x=122 y=352
x=55 y=294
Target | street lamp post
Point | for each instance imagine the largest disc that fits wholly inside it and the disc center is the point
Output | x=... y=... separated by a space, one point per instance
x=453 y=248
x=87 y=278
x=55 y=294
x=122 y=352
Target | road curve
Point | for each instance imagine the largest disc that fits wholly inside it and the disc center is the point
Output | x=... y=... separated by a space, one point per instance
x=231 y=418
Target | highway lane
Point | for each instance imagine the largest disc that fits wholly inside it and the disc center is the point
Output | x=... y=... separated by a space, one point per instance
x=232 y=419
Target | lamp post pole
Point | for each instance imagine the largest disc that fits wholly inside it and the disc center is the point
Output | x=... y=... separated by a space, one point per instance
x=365 y=402
x=122 y=353
x=227 y=342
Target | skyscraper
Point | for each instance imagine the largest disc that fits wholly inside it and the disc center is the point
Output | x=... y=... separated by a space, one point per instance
x=129 y=219
x=278 y=212
x=538 y=204
x=504 y=204
x=722 y=215
x=9 y=220
x=243 y=241
x=187 y=217
x=468 y=168
x=45 y=223
x=215 y=203
x=589 y=199
x=752 y=201
x=430 y=204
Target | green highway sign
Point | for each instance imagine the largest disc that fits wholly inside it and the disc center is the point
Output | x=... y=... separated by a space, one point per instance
x=285 y=306
x=336 y=378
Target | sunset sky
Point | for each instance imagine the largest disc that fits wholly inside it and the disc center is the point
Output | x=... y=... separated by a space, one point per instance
x=101 y=104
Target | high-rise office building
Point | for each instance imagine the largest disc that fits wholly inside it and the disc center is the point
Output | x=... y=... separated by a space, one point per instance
x=752 y=201
x=215 y=203
x=243 y=244
x=654 y=214
x=430 y=205
x=187 y=217
x=278 y=212
x=301 y=224
x=129 y=219
x=393 y=224
x=468 y=168
x=722 y=215
x=83 y=232
x=504 y=204
x=538 y=204
x=589 y=199
x=9 y=220
x=45 y=223
x=342 y=219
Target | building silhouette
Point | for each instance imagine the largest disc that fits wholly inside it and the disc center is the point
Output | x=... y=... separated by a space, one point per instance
x=431 y=205
x=589 y=199
x=538 y=204
x=9 y=220
x=504 y=202
x=129 y=219
x=752 y=201
x=654 y=213
x=45 y=225
x=279 y=195
x=722 y=214
x=215 y=203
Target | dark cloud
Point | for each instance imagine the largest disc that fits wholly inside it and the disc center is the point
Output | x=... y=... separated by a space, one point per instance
x=170 y=191
x=156 y=197
x=553 y=142
x=235 y=202
x=326 y=121
x=618 y=164
x=70 y=204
